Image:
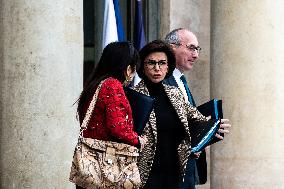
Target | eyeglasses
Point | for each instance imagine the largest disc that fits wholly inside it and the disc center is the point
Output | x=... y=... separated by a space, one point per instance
x=192 y=48
x=151 y=64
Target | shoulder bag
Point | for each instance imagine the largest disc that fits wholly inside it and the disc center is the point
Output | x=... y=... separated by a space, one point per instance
x=99 y=164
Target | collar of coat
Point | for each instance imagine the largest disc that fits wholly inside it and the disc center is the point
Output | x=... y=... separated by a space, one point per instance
x=176 y=99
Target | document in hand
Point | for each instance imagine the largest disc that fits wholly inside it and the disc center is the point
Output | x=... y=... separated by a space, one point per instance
x=214 y=109
x=202 y=133
x=141 y=106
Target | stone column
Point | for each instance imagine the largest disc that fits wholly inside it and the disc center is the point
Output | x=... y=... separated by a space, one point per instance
x=41 y=56
x=247 y=74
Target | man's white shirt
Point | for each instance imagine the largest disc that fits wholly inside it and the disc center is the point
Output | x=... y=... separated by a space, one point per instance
x=177 y=74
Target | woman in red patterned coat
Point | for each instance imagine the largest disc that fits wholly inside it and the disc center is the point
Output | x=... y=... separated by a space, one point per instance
x=111 y=119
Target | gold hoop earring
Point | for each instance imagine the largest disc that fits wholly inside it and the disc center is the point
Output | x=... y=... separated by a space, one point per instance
x=127 y=81
x=130 y=78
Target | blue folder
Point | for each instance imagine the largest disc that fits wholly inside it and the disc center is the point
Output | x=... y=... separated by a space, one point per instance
x=202 y=133
x=141 y=106
x=214 y=109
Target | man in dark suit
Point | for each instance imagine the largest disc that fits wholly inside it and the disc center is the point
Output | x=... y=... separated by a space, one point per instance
x=185 y=46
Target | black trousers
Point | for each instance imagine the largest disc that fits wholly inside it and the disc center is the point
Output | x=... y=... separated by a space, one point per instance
x=79 y=187
x=189 y=178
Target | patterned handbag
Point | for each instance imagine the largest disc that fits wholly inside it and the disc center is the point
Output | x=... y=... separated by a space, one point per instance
x=99 y=164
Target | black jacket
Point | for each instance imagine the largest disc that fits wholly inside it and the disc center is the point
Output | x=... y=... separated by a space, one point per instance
x=201 y=161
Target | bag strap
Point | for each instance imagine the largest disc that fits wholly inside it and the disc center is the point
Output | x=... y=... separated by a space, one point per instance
x=90 y=109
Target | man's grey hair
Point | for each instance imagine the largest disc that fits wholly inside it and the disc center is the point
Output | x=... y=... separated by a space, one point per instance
x=172 y=37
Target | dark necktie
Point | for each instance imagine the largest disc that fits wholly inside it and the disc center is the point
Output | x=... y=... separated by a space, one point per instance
x=190 y=99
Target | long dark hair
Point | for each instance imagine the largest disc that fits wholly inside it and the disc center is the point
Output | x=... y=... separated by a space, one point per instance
x=115 y=59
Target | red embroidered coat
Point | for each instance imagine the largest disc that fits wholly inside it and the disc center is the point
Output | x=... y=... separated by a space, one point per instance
x=112 y=116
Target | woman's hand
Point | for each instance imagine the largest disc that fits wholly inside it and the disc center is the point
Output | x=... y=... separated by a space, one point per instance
x=143 y=141
x=197 y=154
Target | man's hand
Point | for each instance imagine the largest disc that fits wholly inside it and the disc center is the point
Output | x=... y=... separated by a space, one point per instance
x=224 y=128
